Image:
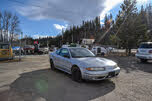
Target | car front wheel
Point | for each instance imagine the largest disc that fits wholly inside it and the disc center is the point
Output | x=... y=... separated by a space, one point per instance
x=76 y=74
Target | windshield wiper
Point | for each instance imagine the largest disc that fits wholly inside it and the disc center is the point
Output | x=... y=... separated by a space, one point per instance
x=77 y=56
x=89 y=56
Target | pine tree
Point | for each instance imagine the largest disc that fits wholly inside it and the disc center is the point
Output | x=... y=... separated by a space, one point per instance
x=126 y=31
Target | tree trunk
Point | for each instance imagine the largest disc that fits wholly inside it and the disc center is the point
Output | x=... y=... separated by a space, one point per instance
x=129 y=53
x=1 y=36
x=126 y=51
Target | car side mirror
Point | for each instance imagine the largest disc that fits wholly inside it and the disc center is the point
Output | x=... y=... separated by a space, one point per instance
x=66 y=56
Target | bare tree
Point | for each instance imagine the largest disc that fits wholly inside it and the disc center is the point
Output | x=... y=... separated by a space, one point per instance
x=7 y=19
x=14 y=26
x=1 y=36
x=9 y=24
x=6 y=22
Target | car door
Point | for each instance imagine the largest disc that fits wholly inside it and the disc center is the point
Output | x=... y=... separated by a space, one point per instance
x=56 y=57
x=65 y=61
x=4 y=51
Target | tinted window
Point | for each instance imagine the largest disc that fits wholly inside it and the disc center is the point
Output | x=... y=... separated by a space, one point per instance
x=145 y=46
x=98 y=50
x=4 y=46
x=81 y=52
x=57 y=52
x=64 y=52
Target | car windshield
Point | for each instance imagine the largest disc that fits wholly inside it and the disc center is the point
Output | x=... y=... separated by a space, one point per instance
x=4 y=46
x=81 y=52
x=145 y=46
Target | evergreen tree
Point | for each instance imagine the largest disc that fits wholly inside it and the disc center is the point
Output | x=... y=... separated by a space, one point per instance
x=126 y=31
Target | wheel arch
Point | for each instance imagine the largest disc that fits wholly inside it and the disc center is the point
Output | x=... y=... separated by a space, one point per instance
x=76 y=66
x=50 y=59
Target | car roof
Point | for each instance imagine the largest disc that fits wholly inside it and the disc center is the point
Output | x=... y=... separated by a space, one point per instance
x=146 y=43
x=72 y=47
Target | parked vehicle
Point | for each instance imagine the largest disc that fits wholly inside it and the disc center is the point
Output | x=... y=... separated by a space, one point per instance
x=6 y=51
x=29 y=49
x=144 y=52
x=16 y=50
x=74 y=45
x=43 y=50
x=109 y=49
x=99 y=50
x=81 y=63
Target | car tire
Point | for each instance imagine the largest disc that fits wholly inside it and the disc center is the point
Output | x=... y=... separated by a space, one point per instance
x=102 y=54
x=76 y=74
x=143 y=60
x=52 y=65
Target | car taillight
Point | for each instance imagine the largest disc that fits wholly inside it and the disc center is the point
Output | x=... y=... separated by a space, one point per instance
x=150 y=51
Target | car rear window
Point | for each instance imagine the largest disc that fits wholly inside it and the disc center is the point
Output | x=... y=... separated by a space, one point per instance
x=145 y=46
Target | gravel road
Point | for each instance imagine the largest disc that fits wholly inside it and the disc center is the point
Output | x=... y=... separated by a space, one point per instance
x=32 y=80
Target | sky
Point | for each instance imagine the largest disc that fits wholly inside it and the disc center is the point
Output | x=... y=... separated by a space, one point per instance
x=42 y=18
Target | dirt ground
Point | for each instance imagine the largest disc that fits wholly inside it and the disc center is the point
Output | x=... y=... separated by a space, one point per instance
x=32 y=80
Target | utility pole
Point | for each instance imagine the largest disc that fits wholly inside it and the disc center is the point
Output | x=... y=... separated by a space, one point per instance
x=47 y=43
x=62 y=35
x=9 y=41
x=20 y=46
x=72 y=37
x=25 y=45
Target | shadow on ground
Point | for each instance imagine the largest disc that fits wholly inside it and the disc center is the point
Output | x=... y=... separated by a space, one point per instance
x=131 y=63
x=47 y=85
x=146 y=67
x=10 y=61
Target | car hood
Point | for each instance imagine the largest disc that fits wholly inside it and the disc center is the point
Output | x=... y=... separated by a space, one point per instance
x=94 y=62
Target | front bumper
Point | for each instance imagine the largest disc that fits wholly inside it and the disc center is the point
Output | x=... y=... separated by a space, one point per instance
x=143 y=56
x=101 y=75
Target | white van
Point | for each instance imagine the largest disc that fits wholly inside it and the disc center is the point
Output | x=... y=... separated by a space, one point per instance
x=97 y=50
x=144 y=51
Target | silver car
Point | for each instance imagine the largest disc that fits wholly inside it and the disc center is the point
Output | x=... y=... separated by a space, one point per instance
x=81 y=63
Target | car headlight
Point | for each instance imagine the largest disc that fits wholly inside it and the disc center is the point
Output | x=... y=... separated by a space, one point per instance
x=96 y=69
x=115 y=66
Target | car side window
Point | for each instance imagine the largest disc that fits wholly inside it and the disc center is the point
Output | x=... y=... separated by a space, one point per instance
x=4 y=46
x=58 y=52
x=64 y=52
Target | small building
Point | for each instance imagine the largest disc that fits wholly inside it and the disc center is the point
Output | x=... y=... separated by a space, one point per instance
x=88 y=41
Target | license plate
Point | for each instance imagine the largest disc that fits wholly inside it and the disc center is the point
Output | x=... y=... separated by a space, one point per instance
x=142 y=51
x=143 y=57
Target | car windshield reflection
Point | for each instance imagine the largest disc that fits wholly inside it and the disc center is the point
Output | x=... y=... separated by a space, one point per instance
x=81 y=52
